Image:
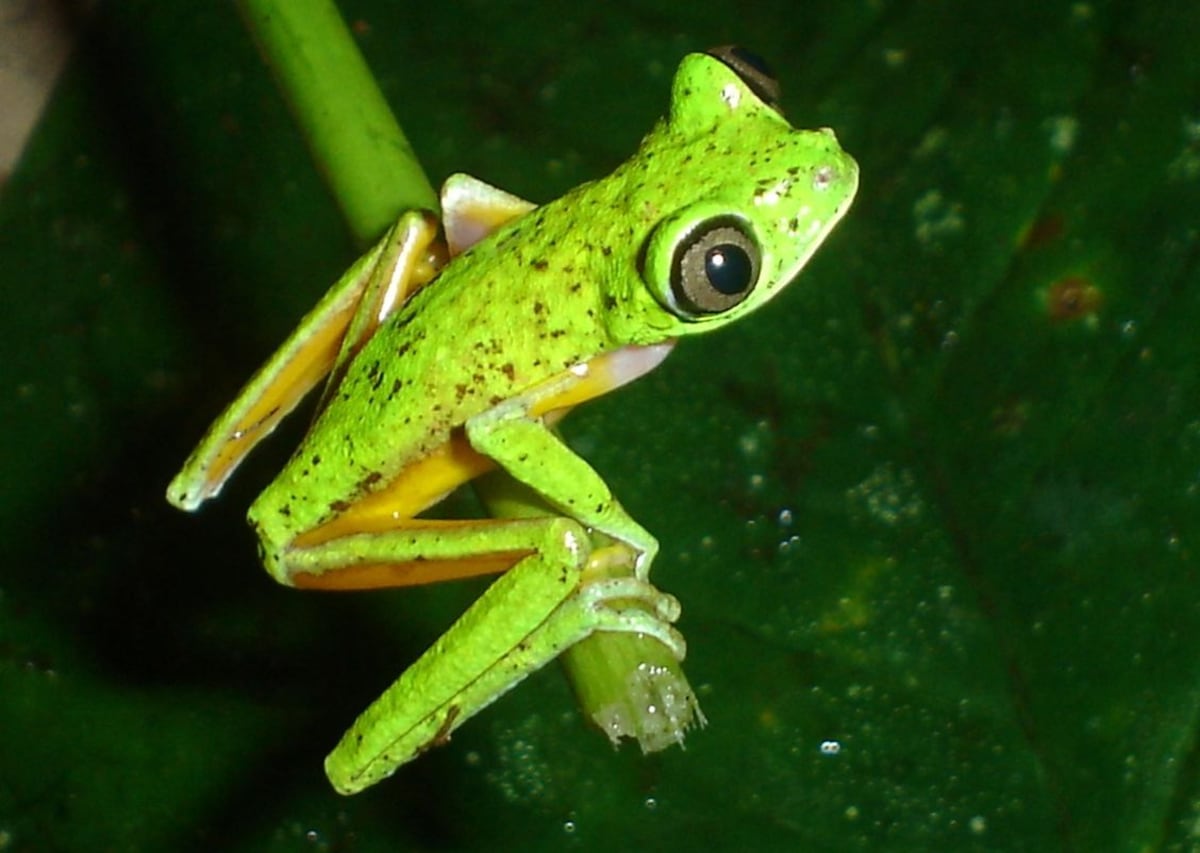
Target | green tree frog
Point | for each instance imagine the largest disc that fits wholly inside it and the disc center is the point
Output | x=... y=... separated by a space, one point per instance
x=449 y=358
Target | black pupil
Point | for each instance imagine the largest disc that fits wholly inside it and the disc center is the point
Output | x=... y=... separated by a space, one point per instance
x=728 y=268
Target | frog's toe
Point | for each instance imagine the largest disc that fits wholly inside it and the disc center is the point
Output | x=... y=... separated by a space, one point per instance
x=632 y=606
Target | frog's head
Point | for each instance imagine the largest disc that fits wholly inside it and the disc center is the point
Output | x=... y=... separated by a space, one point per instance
x=740 y=199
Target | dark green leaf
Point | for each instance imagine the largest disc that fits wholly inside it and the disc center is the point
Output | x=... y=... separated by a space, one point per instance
x=932 y=516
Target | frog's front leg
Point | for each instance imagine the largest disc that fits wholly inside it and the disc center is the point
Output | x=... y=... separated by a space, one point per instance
x=546 y=603
x=526 y=448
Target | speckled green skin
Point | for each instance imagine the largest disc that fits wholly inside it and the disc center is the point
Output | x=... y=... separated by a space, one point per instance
x=561 y=285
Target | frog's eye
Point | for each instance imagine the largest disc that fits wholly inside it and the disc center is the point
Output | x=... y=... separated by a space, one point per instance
x=753 y=70
x=713 y=266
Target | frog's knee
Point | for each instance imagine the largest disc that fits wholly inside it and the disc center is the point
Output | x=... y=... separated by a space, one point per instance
x=273 y=561
x=271 y=551
x=569 y=542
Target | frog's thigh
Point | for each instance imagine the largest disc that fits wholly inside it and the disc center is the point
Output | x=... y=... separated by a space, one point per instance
x=418 y=551
x=505 y=635
x=529 y=616
x=485 y=653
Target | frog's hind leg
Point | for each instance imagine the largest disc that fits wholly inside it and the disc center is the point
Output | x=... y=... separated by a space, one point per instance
x=547 y=602
x=407 y=257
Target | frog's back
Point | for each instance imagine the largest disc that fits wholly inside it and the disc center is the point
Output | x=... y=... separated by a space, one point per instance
x=503 y=317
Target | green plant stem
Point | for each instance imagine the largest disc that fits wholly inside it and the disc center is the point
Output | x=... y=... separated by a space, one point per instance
x=353 y=136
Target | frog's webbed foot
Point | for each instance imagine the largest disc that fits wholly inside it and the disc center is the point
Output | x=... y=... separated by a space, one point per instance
x=622 y=600
x=631 y=606
x=626 y=673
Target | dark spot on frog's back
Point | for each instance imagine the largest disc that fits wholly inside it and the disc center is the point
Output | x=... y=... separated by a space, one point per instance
x=539 y=264
x=400 y=320
x=369 y=480
x=509 y=370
